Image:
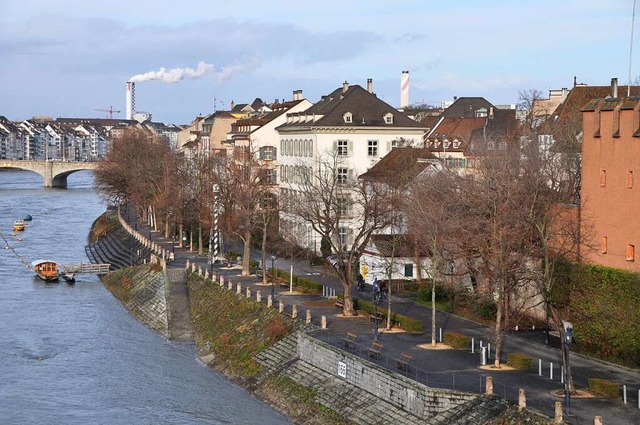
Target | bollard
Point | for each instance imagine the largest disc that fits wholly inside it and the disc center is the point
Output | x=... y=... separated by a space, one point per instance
x=281 y=306
x=214 y=276
x=551 y=371
x=200 y=270
x=440 y=332
x=193 y=267
x=522 y=399
x=294 y=312
x=221 y=280
x=473 y=346
x=624 y=394
x=323 y=322
x=539 y=367
x=230 y=286
x=597 y=420
x=483 y=356
x=248 y=293
x=562 y=374
x=258 y=296
x=206 y=274
x=488 y=351
x=558 y=418
x=308 y=316
x=481 y=344
x=238 y=289
x=489 y=386
x=187 y=265
x=269 y=301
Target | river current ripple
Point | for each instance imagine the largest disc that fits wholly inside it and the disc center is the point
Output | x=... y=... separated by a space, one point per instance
x=73 y=354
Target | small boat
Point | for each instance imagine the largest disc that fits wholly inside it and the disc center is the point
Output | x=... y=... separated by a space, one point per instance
x=19 y=225
x=46 y=270
x=27 y=217
x=69 y=278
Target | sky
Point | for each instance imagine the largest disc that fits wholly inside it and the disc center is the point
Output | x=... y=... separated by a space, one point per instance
x=69 y=58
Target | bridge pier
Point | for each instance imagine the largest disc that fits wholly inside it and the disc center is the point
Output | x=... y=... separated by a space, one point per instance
x=50 y=180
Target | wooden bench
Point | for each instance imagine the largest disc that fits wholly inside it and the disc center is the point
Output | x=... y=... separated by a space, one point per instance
x=375 y=349
x=404 y=361
x=349 y=340
x=339 y=302
x=380 y=317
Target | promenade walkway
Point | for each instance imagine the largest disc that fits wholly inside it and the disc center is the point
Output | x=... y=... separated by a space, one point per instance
x=456 y=369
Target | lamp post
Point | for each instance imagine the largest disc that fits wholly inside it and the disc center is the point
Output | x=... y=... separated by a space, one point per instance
x=273 y=268
x=376 y=301
x=568 y=339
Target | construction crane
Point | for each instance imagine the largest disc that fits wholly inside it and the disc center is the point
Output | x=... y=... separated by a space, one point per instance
x=110 y=111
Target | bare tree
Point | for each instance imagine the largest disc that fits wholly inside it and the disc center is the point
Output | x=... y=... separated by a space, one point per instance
x=342 y=210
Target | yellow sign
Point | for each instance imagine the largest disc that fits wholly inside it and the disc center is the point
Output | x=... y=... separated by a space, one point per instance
x=364 y=269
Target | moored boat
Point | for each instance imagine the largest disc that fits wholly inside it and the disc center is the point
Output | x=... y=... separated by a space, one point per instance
x=27 y=217
x=46 y=270
x=19 y=225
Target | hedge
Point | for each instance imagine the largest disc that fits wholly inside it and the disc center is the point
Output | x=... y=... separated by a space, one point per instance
x=457 y=340
x=407 y=323
x=519 y=361
x=602 y=303
x=604 y=388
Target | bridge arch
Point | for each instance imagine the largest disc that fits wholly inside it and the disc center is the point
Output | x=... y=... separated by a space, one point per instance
x=54 y=173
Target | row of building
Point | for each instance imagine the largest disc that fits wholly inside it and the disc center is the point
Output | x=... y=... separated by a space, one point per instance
x=71 y=139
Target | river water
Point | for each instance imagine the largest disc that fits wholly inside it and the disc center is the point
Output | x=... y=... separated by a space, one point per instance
x=73 y=354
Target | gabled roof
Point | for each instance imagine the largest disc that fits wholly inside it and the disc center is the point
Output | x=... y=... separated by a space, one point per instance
x=466 y=107
x=401 y=166
x=366 y=110
x=398 y=246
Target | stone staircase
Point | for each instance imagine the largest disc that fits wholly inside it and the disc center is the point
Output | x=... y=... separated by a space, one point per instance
x=119 y=249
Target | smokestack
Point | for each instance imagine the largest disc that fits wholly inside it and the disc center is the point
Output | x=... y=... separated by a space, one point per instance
x=345 y=87
x=130 y=108
x=369 y=85
x=404 y=89
x=614 y=88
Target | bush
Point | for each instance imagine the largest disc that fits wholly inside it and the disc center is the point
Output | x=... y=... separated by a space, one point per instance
x=485 y=308
x=457 y=340
x=604 y=388
x=442 y=294
x=307 y=285
x=519 y=361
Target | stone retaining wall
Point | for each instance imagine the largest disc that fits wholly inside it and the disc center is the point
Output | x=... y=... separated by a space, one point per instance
x=406 y=394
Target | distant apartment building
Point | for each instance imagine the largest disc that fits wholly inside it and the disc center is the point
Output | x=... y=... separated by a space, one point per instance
x=610 y=184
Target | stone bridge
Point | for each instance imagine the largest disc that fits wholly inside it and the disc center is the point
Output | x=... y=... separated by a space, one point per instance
x=54 y=173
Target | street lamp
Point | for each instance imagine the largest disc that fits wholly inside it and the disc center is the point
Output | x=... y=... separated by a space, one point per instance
x=568 y=339
x=273 y=268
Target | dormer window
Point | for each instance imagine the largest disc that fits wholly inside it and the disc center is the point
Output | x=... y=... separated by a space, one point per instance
x=348 y=117
x=446 y=144
x=388 y=118
x=456 y=144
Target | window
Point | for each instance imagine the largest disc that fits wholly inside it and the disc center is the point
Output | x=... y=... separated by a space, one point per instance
x=456 y=144
x=502 y=146
x=408 y=270
x=455 y=162
x=348 y=117
x=388 y=118
x=343 y=147
x=342 y=205
x=604 y=245
x=491 y=146
x=343 y=175
x=603 y=178
x=629 y=179
x=446 y=144
x=631 y=252
x=372 y=149
x=342 y=235
x=268 y=153
x=270 y=176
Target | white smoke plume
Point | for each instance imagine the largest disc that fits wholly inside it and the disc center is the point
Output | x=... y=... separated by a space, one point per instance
x=176 y=74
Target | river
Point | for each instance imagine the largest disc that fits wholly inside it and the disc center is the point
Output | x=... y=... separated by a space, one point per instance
x=73 y=354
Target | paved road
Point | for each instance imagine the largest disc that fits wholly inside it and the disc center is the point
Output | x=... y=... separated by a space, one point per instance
x=448 y=368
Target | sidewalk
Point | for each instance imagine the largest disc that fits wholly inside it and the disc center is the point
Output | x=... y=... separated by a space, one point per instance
x=457 y=369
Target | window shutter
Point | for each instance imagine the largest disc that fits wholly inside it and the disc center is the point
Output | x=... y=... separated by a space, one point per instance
x=350 y=175
x=274 y=176
x=275 y=153
x=261 y=153
x=335 y=146
x=350 y=148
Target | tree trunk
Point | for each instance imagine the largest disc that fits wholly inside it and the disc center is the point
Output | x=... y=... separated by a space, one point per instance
x=555 y=316
x=246 y=253
x=181 y=232
x=348 y=309
x=167 y=226
x=200 y=249
x=498 y=327
x=264 y=255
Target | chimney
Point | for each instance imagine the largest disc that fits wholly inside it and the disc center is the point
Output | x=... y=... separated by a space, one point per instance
x=369 y=85
x=490 y=112
x=404 y=89
x=565 y=92
x=233 y=105
x=614 y=88
x=130 y=108
x=295 y=95
x=345 y=87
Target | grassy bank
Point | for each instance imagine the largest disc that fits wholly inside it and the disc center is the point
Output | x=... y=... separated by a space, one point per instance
x=231 y=331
